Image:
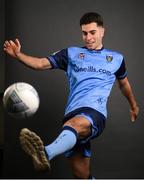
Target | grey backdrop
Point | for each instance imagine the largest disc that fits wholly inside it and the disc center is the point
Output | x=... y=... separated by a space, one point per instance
x=46 y=26
x=2 y=33
x=2 y=70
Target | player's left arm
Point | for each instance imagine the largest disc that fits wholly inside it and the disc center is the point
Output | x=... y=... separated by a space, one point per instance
x=126 y=90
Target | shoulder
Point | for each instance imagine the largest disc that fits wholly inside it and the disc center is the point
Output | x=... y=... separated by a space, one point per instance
x=74 y=51
x=75 y=48
x=66 y=52
x=113 y=55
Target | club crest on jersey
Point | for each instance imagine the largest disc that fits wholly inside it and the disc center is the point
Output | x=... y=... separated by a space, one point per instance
x=81 y=55
x=109 y=58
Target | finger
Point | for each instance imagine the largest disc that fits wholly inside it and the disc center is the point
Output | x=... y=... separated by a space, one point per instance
x=133 y=116
x=6 y=43
x=12 y=43
x=17 y=42
x=133 y=119
x=6 y=50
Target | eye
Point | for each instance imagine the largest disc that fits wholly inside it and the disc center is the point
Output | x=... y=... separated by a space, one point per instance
x=84 y=33
x=93 y=32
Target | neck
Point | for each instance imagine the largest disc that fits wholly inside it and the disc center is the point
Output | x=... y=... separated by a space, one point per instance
x=99 y=47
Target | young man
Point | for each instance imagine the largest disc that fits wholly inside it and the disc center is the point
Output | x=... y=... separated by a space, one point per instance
x=91 y=71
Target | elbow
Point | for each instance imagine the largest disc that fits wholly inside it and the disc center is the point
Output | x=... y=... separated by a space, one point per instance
x=38 y=67
x=42 y=65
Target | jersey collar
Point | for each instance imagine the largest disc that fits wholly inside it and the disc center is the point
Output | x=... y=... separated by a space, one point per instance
x=98 y=50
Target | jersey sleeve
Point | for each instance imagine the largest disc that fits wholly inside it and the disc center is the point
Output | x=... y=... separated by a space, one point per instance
x=59 y=60
x=121 y=72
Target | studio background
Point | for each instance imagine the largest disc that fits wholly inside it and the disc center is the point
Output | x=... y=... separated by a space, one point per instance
x=45 y=26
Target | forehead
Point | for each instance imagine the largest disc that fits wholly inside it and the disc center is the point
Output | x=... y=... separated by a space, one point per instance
x=90 y=27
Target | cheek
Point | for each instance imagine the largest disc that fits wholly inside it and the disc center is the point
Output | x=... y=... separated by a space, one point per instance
x=99 y=36
x=83 y=37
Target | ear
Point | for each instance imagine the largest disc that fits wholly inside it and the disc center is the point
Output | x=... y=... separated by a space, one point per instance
x=102 y=31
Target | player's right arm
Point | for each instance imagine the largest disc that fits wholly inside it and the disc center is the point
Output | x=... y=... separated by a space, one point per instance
x=13 y=48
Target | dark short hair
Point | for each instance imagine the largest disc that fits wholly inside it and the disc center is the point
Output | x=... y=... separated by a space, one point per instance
x=90 y=17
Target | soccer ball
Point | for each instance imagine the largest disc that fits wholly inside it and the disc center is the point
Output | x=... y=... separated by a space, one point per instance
x=21 y=100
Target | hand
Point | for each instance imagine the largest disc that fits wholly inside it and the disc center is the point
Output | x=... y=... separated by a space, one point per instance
x=134 y=113
x=12 y=48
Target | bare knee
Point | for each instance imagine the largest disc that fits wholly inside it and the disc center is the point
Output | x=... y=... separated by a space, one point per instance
x=81 y=125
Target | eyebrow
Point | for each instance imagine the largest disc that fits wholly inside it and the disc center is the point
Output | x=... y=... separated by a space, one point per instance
x=94 y=30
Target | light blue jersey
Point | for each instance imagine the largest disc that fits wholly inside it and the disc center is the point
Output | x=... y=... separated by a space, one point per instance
x=91 y=75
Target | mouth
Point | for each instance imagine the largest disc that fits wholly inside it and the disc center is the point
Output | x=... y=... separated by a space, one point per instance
x=89 y=43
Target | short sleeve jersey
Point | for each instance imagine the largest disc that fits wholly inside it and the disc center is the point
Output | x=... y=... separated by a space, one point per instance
x=91 y=75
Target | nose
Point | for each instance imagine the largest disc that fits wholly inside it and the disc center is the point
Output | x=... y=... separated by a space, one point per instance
x=88 y=36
